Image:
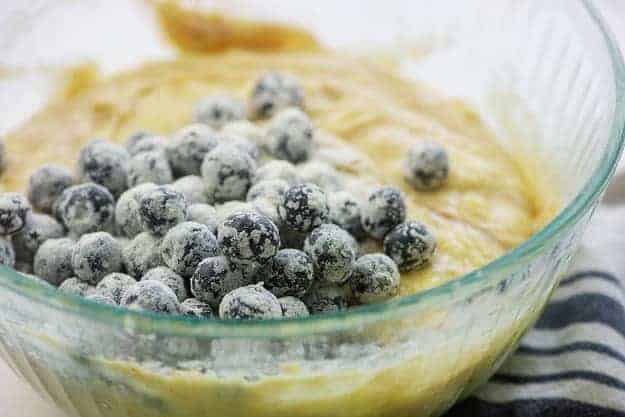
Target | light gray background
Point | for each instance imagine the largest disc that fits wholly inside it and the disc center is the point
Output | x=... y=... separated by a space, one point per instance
x=19 y=400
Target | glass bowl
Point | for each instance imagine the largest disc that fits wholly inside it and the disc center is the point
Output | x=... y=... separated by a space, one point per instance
x=546 y=76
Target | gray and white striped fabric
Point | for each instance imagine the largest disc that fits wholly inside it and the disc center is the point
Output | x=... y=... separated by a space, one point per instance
x=571 y=364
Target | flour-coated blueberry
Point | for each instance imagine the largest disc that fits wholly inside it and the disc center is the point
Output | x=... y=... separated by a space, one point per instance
x=278 y=170
x=149 y=167
x=38 y=229
x=53 y=260
x=142 y=253
x=304 y=207
x=113 y=286
x=293 y=307
x=290 y=272
x=106 y=164
x=127 y=217
x=96 y=255
x=384 y=209
x=251 y=302
x=75 y=286
x=275 y=91
x=204 y=214
x=426 y=166
x=46 y=185
x=411 y=245
x=161 y=209
x=248 y=238
x=187 y=148
x=290 y=136
x=215 y=277
x=374 y=278
x=170 y=278
x=228 y=173
x=326 y=298
x=151 y=295
x=86 y=208
x=332 y=251
x=192 y=188
x=14 y=209
x=218 y=110
x=186 y=245
x=345 y=211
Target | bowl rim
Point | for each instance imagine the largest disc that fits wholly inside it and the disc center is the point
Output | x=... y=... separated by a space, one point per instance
x=147 y=322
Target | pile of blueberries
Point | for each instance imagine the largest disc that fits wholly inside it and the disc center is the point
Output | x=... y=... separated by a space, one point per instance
x=225 y=218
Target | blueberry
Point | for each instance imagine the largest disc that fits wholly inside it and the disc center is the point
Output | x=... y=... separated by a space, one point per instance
x=304 y=207
x=322 y=174
x=204 y=214
x=426 y=166
x=187 y=149
x=38 y=229
x=169 y=278
x=46 y=185
x=101 y=299
x=241 y=143
x=374 y=278
x=332 y=251
x=345 y=211
x=278 y=170
x=186 y=245
x=113 y=286
x=228 y=173
x=195 y=308
x=248 y=130
x=290 y=272
x=145 y=142
x=7 y=254
x=274 y=91
x=293 y=307
x=229 y=208
x=290 y=136
x=251 y=302
x=85 y=208
x=326 y=298
x=192 y=188
x=14 y=209
x=267 y=208
x=142 y=254
x=96 y=255
x=384 y=209
x=127 y=216
x=248 y=238
x=74 y=286
x=104 y=163
x=151 y=296
x=272 y=190
x=53 y=260
x=214 y=278
x=161 y=209
x=411 y=245
x=218 y=110
x=149 y=167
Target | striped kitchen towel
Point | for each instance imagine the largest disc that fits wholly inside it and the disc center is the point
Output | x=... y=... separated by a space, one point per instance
x=571 y=364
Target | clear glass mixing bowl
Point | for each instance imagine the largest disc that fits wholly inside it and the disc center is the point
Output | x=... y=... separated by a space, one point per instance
x=545 y=75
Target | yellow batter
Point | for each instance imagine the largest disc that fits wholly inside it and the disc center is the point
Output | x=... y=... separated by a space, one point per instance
x=490 y=204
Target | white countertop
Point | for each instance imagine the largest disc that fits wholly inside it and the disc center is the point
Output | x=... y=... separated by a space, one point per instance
x=19 y=400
